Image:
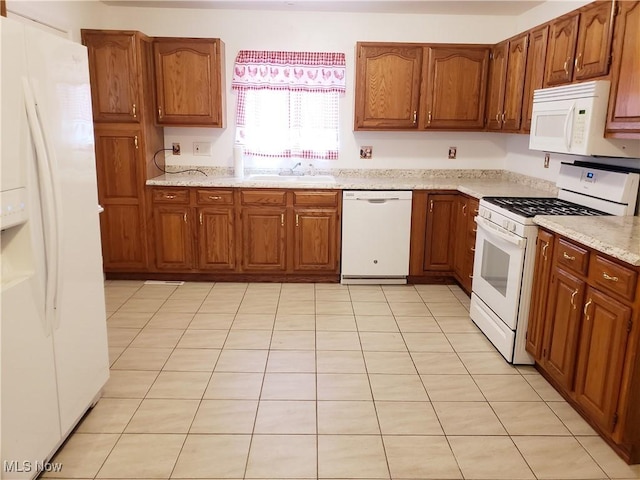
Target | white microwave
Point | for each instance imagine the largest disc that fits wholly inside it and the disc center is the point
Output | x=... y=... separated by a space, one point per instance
x=571 y=119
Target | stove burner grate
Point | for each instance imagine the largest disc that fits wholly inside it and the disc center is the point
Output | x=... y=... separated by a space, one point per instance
x=532 y=206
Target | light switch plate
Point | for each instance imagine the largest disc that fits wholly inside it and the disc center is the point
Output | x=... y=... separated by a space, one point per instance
x=202 y=148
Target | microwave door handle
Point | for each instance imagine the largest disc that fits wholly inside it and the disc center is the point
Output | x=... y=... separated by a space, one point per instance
x=568 y=123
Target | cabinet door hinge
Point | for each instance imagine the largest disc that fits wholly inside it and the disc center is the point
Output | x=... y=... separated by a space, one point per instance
x=615 y=420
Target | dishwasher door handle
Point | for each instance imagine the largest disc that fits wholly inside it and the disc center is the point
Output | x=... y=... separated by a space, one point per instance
x=378 y=200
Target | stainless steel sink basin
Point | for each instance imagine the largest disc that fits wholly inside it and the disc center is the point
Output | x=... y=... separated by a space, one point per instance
x=275 y=178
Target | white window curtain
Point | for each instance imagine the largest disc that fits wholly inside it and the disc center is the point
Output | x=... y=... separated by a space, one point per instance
x=288 y=103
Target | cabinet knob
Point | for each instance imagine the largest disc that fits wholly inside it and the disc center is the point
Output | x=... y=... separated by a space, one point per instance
x=297 y=220
x=133 y=111
x=606 y=276
x=169 y=196
x=415 y=116
x=429 y=118
x=566 y=256
x=431 y=206
x=566 y=65
x=215 y=197
x=185 y=217
x=200 y=218
x=502 y=117
x=464 y=209
x=498 y=117
x=159 y=112
x=135 y=141
x=282 y=219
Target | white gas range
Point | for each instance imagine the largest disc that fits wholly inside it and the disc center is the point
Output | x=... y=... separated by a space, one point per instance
x=505 y=247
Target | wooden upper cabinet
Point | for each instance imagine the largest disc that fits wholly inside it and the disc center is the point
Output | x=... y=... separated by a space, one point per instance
x=114 y=71
x=594 y=41
x=580 y=44
x=514 y=83
x=188 y=81
x=387 y=86
x=561 y=50
x=497 y=80
x=534 y=73
x=506 y=84
x=455 y=87
x=624 y=100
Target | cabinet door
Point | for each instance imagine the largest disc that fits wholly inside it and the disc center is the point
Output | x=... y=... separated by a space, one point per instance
x=539 y=293
x=456 y=86
x=188 y=77
x=460 y=243
x=440 y=232
x=387 y=86
x=624 y=99
x=264 y=239
x=562 y=326
x=173 y=238
x=123 y=240
x=561 y=50
x=114 y=74
x=120 y=183
x=216 y=238
x=601 y=352
x=594 y=41
x=534 y=74
x=315 y=240
x=497 y=77
x=514 y=83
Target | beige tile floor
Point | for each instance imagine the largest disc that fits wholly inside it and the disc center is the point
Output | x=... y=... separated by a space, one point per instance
x=275 y=381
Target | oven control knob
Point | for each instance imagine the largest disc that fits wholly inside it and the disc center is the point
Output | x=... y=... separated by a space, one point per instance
x=505 y=224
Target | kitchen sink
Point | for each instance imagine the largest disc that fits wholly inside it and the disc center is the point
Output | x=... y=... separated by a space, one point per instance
x=275 y=178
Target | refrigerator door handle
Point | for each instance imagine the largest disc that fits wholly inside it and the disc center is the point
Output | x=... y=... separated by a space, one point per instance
x=48 y=206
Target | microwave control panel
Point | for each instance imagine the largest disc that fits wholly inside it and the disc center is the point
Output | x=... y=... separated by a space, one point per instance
x=579 y=126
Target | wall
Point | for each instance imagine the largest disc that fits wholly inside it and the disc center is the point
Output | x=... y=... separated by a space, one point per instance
x=329 y=32
x=65 y=18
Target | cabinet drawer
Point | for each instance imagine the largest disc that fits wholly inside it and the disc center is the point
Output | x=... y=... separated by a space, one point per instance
x=170 y=195
x=263 y=197
x=316 y=198
x=214 y=197
x=572 y=256
x=613 y=277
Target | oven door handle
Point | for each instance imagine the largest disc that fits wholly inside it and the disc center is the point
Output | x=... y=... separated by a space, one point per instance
x=498 y=231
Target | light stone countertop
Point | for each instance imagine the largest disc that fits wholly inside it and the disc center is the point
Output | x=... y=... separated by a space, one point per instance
x=468 y=181
x=615 y=236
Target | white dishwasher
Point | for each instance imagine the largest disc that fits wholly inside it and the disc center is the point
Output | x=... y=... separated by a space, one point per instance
x=376 y=228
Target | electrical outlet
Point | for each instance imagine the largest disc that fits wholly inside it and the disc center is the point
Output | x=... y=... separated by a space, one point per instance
x=176 y=148
x=202 y=148
x=366 y=152
x=546 y=160
x=453 y=151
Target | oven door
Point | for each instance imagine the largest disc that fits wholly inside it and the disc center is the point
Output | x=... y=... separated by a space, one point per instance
x=497 y=269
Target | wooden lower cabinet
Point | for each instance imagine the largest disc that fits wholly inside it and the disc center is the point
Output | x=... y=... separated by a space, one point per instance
x=465 y=239
x=601 y=353
x=440 y=232
x=590 y=337
x=562 y=326
x=314 y=240
x=539 y=293
x=215 y=239
x=251 y=232
x=123 y=238
x=173 y=225
x=264 y=239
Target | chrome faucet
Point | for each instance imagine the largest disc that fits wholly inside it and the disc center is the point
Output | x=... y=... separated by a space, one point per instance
x=291 y=170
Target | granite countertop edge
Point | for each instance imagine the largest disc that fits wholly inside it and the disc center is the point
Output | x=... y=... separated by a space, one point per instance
x=623 y=245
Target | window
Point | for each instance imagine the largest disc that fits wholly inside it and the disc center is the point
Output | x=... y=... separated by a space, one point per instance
x=288 y=103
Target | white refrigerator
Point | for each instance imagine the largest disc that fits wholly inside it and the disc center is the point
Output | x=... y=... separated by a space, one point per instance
x=54 y=357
